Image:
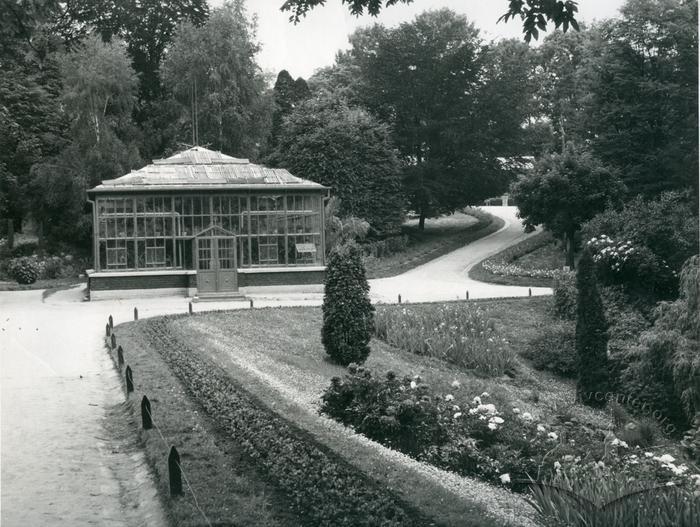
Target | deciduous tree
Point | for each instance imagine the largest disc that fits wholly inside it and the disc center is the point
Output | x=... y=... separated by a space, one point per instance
x=563 y=191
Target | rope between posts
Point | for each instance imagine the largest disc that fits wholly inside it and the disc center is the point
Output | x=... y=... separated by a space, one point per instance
x=182 y=471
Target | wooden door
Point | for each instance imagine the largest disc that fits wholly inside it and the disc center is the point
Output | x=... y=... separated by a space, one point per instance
x=216 y=265
x=227 y=275
x=206 y=265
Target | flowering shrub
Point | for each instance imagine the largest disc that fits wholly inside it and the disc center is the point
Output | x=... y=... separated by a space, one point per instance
x=467 y=435
x=636 y=267
x=509 y=269
x=459 y=333
x=554 y=349
x=471 y=435
x=25 y=270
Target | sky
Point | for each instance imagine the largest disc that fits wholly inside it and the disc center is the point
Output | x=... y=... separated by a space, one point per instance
x=313 y=42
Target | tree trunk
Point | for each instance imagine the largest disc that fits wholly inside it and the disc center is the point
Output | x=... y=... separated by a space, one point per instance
x=421 y=221
x=570 y=249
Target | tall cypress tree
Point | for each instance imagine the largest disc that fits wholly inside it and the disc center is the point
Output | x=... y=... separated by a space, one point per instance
x=591 y=336
x=348 y=315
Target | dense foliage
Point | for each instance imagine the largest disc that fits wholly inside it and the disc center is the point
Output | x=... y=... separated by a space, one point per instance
x=346 y=148
x=563 y=191
x=348 y=315
x=554 y=349
x=591 y=334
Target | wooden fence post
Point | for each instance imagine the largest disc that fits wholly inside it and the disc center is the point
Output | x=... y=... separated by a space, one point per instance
x=146 y=416
x=174 y=472
x=114 y=341
x=120 y=357
x=111 y=322
x=136 y=313
x=129 y=380
x=108 y=330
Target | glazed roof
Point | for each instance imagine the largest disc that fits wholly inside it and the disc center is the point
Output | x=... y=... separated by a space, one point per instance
x=202 y=169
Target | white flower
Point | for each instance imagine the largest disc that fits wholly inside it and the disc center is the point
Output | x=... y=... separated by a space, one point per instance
x=487 y=409
x=472 y=411
x=527 y=416
x=541 y=428
x=485 y=394
x=457 y=415
x=476 y=400
x=648 y=454
x=449 y=397
x=666 y=458
x=455 y=408
x=413 y=385
x=568 y=457
x=670 y=483
x=516 y=410
x=553 y=436
x=493 y=426
x=616 y=442
x=455 y=384
x=600 y=464
x=505 y=478
x=497 y=420
x=557 y=465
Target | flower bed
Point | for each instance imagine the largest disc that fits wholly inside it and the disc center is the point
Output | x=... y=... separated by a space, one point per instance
x=460 y=334
x=470 y=435
x=321 y=486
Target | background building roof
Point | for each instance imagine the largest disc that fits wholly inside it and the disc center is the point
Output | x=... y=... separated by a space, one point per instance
x=202 y=169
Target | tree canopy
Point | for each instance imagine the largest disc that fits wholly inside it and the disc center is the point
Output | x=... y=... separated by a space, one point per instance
x=563 y=191
x=535 y=14
x=212 y=68
x=349 y=150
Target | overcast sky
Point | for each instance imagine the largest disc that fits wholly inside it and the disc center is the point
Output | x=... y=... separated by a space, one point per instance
x=312 y=43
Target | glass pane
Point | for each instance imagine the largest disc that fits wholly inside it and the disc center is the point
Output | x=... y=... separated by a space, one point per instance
x=204 y=254
x=226 y=253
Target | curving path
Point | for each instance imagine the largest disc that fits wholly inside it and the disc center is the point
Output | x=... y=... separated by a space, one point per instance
x=446 y=278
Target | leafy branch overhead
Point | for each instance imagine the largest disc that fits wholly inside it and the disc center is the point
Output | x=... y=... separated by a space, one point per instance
x=535 y=14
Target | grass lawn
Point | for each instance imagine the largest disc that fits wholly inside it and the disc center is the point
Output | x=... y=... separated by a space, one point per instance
x=276 y=354
x=440 y=236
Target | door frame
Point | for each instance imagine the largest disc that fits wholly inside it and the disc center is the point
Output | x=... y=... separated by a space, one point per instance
x=215 y=233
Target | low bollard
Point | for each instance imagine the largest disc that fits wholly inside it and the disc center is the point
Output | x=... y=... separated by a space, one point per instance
x=529 y=291
x=111 y=322
x=120 y=357
x=399 y=299
x=114 y=341
x=129 y=380
x=108 y=330
x=190 y=308
x=136 y=313
x=467 y=294
x=174 y=472
x=251 y=303
x=146 y=416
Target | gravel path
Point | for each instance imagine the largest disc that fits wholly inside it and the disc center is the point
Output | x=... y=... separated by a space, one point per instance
x=446 y=278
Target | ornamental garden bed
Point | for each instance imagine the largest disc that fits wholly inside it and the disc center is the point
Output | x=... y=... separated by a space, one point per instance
x=456 y=470
x=536 y=261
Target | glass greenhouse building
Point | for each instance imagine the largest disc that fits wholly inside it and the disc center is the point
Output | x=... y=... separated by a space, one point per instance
x=205 y=224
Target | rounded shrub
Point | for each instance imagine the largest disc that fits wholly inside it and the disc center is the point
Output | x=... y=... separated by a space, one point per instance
x=24 y=270
x=348 y=315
